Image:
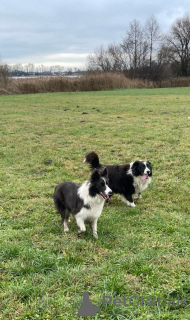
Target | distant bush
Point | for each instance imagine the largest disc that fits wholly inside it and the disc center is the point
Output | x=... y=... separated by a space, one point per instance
x=176 y=82
x=4 y=77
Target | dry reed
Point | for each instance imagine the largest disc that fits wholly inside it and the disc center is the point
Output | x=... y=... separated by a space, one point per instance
x=93 y=82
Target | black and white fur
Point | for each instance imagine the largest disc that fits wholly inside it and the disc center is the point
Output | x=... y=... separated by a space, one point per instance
x=127 y=179
x=85 y=202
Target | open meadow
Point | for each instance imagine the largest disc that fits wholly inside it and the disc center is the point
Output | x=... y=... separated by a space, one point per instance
x=142 y=251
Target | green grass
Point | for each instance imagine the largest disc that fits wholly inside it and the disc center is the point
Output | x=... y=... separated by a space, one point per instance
x=140 y=251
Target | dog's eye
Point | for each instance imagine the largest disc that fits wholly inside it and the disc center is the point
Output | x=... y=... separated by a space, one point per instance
x=103 y=184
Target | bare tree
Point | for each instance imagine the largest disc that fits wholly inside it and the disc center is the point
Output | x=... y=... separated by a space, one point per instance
x=144 y=53
x=117 y=57
x=179 y=43
x=99 y=61
x=4 y=74
x=135 y=46
x=153 y=37
x=111 y=59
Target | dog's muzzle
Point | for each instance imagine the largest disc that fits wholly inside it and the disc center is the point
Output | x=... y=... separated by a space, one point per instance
x=144 y=177
x=106 y=196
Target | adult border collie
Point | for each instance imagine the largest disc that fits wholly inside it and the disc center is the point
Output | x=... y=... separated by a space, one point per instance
x=85 y=202
x=126 y=179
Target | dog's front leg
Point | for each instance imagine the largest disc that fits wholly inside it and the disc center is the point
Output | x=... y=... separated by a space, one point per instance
x=81 y=225
x=94 y=228
x=128 y=199
x=138 y=196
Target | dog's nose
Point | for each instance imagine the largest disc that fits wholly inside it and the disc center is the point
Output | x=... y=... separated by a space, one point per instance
x=110 y=193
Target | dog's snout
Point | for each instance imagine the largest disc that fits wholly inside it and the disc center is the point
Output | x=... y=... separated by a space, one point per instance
x=110 y=193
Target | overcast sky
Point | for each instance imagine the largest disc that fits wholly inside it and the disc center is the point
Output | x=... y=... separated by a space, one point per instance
x=64 y=32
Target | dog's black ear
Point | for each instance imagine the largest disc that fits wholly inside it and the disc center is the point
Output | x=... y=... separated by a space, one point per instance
x=149 y=163
x=104 y=173
x=136 y=164
x=137 y=169
x=95 y=175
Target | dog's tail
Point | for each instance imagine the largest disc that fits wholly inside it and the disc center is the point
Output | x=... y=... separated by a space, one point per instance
x=93 y=160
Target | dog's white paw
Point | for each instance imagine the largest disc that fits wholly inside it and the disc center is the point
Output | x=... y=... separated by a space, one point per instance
x=95 y=235
x=65 y=226
x=81 y=231
x=138 y=196
x=131 y=204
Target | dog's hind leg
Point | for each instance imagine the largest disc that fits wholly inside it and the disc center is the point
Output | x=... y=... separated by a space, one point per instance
x=65 y=218
x=63 y=212
x=65 y=223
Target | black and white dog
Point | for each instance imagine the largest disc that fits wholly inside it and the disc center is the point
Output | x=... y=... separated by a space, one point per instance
x=127 y=179
x=85 y=202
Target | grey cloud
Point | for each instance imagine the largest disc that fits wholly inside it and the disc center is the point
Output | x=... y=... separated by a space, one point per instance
x=41 y=28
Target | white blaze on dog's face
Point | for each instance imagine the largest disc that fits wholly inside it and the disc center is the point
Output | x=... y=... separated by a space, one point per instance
x=148 y=169
x=108 y=191
x=99 y=185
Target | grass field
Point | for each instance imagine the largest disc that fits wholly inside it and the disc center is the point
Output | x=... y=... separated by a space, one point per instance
x=142 y=251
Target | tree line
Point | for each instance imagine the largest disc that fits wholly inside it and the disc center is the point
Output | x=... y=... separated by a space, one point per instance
x=28 y=70
x=31 y=70
x=146 y=53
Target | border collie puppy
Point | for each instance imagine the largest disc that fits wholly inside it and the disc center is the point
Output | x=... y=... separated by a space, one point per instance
x=127 y=179
x=85 y=202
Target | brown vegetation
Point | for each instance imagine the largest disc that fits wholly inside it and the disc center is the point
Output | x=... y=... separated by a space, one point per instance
x=93 y=82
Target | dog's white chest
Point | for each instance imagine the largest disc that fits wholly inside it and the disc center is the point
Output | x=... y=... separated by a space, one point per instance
x=141 y=185
x=91 y=214
x=95 y=203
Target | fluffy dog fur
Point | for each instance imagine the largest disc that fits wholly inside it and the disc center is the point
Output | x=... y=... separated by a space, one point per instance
x=85 y=202
x=126 y=179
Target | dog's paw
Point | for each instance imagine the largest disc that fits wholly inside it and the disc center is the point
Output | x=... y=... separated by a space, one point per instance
x=81 y=231
x=137 y=197
x=65 y=227
x=131 y=204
